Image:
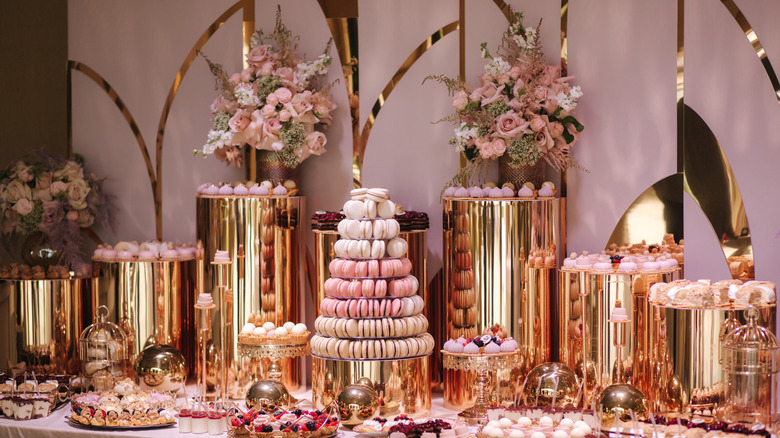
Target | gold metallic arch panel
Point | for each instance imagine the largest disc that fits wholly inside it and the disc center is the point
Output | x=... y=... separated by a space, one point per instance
x=139 y=138
x=752 y=37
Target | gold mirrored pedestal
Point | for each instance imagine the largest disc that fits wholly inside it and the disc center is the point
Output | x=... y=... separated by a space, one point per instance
x=264 y=238
x=402 y=384
x=151 y=301
x=586 y=300
x=487 y=277
x=41 y=321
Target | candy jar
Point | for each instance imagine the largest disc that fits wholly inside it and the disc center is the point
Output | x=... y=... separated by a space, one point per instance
x=103 y=353
x=750 y=366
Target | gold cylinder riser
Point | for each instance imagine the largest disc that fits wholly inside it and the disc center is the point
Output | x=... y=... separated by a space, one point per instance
x=688 y=356
x=586 y=338
x=263 y=237
x=41 y=321
x=403 y=384
x=486 y=277
x=150 y=301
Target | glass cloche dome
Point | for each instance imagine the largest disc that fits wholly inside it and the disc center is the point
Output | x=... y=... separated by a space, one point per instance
x=103 y=353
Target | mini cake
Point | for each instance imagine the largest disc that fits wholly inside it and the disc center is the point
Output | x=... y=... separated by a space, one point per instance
x=296 y=423
x=371 y=309
x=259 y=332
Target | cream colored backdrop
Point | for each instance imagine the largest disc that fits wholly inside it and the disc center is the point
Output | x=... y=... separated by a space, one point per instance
x=623 y=54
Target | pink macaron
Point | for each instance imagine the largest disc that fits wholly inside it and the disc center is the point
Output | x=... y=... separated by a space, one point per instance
x=363 y=308
x=373 y=268
x=397 y=307
x=335 y=266
x=348 y=268
x=341 y=309
x=383 y=308
x=361 y=269
x=331 y=286
x=368 y=288
x=386 y=268
x=343 y=288
x=406 y=266
x=353 y=308
x=380 y=288
x=355 y=289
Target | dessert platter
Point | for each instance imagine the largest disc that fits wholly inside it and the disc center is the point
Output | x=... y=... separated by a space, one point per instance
x=150 y=250
x=403 y=426
x=18 y=271
x=724 y=294
x=506 y=191
x=296 y=423
x=24 y=399
x=371 y=309
x=125 y=407
x=250 y=189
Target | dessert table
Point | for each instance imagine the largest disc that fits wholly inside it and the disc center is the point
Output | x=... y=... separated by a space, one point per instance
x=58 y=425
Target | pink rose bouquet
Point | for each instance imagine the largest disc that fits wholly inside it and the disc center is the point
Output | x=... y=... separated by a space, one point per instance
x=522 y=108
x=48 y=194
x=276 y=103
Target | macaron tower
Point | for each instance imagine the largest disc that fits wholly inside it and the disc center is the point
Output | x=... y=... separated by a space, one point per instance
x=371 y=310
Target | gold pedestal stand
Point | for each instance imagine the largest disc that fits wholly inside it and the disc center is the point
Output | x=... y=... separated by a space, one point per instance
x=688 y=358
x=585 y=336
x=484 y=366
x=264 y=238
x=152 y=301
x=403 y=385
x=40 y=323
x=275 y=359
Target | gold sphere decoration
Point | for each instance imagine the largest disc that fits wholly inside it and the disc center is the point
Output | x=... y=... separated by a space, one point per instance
x=267 y=395
x=357 y=403
x=548 y=381
x=161 y=367
x=618 y=400
x=365 y=381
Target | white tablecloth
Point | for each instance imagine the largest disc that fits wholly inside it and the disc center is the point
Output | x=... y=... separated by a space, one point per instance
x=57 y=425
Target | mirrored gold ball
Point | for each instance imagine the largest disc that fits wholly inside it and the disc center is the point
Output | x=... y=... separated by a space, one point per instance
x=618 y=400
x=548 y=381
x=357 y=403
x=160 y=367
x=267 y=395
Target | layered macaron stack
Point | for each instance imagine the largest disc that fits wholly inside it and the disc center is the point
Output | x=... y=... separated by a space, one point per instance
x=371 y=309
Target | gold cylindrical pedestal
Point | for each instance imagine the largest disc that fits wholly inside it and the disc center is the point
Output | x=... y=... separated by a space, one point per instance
x=152 y=301
x=263 y=236
x=41 y=321
x=486 y=278
x=402 y=384
x=585 y=336
x=688 y=356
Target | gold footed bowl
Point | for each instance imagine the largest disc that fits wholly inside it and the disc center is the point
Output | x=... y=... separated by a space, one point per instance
x=402 y=385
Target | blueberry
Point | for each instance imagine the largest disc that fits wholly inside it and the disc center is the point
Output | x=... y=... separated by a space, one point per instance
x=268 y=428
x=294 y=428
x=311 y=426
x=297 y=412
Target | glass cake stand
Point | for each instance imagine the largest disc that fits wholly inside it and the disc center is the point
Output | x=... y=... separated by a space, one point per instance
x=483 y=364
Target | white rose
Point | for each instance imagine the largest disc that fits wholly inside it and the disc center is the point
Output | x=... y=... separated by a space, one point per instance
x=23 y=206
x=77 y=194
